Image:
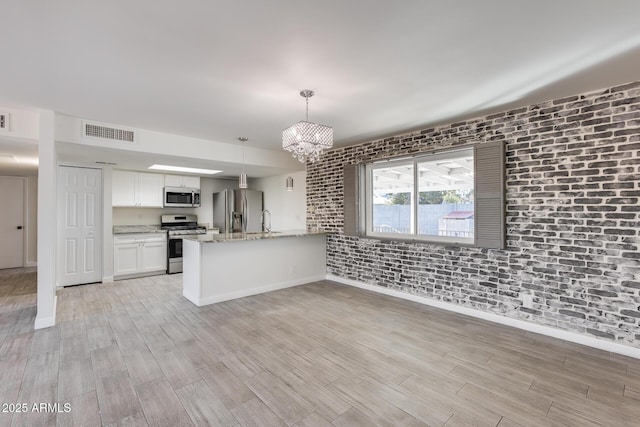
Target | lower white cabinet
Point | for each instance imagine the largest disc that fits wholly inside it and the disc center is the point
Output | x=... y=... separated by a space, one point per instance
x=139 y=254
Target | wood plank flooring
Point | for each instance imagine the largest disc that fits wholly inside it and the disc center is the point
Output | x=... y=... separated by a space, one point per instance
x=135 y=352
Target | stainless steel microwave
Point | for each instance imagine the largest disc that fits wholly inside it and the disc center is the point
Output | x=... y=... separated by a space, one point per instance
x=181 y=197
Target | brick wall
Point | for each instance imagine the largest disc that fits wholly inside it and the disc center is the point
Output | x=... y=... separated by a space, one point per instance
x=573 y=222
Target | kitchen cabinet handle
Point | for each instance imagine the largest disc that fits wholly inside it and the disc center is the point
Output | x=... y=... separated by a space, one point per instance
x=19 y=227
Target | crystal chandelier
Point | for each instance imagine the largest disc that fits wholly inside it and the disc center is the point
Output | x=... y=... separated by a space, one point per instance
x=306 y=140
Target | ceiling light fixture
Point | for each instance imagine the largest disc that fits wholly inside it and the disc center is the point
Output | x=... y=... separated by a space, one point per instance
x=289 y=184
x=184 y=169
x=242 y=182
x=306 y=140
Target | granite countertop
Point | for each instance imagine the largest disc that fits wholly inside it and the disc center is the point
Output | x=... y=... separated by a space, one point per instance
x=238 y=237
x=131 y=229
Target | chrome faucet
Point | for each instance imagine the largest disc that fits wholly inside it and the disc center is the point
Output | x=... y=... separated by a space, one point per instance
x=264 y=225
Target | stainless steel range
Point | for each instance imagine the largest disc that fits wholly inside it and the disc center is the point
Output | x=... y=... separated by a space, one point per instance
x=177 y=226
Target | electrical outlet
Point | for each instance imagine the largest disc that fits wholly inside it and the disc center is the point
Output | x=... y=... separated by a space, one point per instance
x=527 y=300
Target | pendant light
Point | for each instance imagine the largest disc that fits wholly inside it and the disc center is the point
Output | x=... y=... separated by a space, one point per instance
x=289 y=184
x=242 y=182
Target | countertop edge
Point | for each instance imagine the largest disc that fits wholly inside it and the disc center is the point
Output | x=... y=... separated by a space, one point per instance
x=137 y=229
x=246 y=237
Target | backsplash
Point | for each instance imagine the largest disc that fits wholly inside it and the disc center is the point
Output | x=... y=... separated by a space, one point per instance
x=146 y=216
x=573 y=226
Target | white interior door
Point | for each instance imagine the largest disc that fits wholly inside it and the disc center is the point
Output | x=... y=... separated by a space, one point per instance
x=79 y=225
x=11 y=218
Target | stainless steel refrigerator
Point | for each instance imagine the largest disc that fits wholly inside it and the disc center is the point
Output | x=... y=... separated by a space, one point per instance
x=237 y=211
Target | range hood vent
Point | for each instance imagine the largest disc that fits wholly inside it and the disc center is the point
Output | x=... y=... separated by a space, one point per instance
x=4 y=122
x=101 y=131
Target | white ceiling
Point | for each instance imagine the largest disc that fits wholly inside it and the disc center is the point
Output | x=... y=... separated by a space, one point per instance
x=218 y=70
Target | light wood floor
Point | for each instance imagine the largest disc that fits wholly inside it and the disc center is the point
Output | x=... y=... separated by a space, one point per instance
x=136 y=353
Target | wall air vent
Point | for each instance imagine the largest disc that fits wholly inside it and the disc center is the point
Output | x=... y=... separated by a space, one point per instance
x=101 y=131
x=4 y=122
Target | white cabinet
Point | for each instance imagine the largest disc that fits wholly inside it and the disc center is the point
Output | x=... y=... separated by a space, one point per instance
x=139 y=254
x=126 y=259
x=124 y=185
x=150 y=189
x=182 y=181
x=137 y=189
x=154 y=256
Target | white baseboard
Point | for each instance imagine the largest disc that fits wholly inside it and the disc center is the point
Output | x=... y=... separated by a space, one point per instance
x=107 y=279
x=516 y=323
x=31 y=264
x=191 y=298
x=46 y=322
x=253 y=291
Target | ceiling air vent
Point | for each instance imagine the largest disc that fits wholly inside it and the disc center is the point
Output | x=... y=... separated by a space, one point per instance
x=100 y=131
x=4 y=122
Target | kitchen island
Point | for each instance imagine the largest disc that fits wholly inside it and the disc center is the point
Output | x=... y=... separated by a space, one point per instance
x=221 y=267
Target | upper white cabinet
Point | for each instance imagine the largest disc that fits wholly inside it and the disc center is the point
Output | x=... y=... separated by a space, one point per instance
x=151 y=187
x=137 y=189
x=182 y=181
x=124 y=190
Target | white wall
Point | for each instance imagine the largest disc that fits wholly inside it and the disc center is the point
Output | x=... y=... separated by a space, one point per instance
x=31 y=223
x=288 y=208
x=107 y=224
x=24 y=127
x=145 y=216
x=29 y=190
x=47 y=217
x=22 y=123
x=68 y=129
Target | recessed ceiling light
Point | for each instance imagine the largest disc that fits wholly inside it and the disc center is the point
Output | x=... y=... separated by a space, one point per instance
x=184 y=169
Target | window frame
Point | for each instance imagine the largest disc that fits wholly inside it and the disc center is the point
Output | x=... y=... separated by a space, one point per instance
x=367 y=208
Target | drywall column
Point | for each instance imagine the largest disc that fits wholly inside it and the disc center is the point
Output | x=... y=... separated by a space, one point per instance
x=47 y=225
x=107 y=225
x=31 y=224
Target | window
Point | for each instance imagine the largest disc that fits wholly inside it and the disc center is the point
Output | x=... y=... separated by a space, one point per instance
x=430 y=197
x=457 y=196
x=392 y=199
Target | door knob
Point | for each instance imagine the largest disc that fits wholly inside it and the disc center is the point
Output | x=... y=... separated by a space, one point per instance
x=19 y=227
